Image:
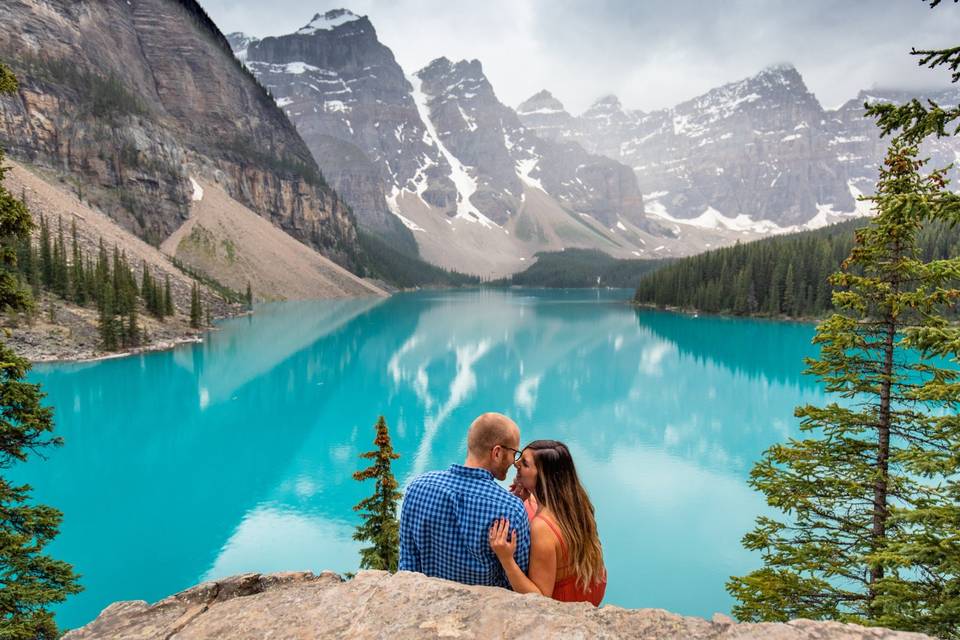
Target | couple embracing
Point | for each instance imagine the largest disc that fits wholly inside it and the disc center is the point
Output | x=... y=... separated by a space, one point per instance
x=538 y=537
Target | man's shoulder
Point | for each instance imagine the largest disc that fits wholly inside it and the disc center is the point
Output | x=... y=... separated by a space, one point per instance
x=430 y=478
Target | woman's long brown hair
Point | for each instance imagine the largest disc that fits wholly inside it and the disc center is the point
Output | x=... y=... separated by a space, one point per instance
x=559 y=489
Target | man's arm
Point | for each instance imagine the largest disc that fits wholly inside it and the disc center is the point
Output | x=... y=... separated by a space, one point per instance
x=522 y=526
x=409 y=558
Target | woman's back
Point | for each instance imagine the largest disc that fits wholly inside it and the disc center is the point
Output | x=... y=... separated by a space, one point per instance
x=567 y=588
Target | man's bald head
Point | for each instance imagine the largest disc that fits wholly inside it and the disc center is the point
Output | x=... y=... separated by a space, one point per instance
x=489 y=430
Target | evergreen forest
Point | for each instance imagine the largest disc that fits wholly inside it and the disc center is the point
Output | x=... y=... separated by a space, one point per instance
x=781 y=276
x=581 y=268
x=105 y=281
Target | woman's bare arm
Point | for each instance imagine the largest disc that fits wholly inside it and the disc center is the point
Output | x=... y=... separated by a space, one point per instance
x=543 y=557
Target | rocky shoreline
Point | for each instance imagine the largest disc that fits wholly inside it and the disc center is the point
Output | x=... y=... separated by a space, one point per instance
x=376 y=604
x=62 y=332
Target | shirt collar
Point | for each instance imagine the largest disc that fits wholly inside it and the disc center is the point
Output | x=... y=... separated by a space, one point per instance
x=471 y=472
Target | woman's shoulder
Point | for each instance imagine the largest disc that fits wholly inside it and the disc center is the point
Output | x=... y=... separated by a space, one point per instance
x=543 y=528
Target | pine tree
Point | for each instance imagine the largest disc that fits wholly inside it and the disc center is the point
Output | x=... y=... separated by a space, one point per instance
x=79 y=286
x=249 y=297
x=147 y=292
x=133 y=328
x=168 y=309
x=108 y=322
x=196 y=317
x=870 y=492
x=61 y=278
x=46 y=254
x=379 y=512
x=30 y=581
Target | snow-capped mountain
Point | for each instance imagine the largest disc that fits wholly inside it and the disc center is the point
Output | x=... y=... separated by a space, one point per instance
x=477 y=189
x=757 y=155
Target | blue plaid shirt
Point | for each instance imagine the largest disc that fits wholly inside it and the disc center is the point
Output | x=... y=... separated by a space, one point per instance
x=444 y=525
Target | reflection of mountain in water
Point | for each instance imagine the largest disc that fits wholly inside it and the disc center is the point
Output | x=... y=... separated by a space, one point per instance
x=771 y=351
x=236 y=455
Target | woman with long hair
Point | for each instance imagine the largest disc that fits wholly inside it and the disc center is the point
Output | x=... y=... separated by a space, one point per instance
x=566 y=560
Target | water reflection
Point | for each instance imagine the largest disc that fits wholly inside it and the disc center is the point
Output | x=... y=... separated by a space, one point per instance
x=236 y=455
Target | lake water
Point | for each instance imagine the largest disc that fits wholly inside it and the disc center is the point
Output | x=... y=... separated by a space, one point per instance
x=236 y=455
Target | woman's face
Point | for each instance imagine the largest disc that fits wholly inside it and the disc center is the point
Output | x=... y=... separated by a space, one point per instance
x=527 y=471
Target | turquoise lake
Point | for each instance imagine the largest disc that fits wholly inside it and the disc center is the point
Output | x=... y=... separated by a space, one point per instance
x=236 y=455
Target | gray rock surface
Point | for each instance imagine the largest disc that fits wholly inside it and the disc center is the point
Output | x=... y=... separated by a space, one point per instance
x=762 y=147
x=440 y=135
x=407 y=605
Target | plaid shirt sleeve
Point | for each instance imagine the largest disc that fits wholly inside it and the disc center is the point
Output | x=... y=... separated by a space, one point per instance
x=409 y=557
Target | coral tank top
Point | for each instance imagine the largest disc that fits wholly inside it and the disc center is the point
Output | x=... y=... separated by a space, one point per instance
x=567 y=589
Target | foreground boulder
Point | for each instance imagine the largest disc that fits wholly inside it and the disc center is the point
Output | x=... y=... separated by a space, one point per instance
x=376 y=604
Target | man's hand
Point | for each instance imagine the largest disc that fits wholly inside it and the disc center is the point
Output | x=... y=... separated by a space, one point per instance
x=503 y=541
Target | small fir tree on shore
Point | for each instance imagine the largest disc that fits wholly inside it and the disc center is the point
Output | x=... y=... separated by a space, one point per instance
x=30 y=580
x=379 y=512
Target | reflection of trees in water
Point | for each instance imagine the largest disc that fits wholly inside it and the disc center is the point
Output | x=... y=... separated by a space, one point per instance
x=771 y=351
x=659 y=386
x=170 y=452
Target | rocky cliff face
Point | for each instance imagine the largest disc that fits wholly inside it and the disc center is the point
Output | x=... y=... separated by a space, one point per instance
x=130 y=99
x=760 y=154
x=351 y=104
x=438 y=146
x=376 y=604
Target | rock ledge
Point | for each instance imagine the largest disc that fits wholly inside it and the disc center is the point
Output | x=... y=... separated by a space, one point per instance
x=376 y=604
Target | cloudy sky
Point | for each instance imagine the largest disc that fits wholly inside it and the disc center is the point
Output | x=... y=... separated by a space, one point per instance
x=650 y=53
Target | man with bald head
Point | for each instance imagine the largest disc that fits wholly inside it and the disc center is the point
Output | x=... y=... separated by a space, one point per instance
x=446 y=515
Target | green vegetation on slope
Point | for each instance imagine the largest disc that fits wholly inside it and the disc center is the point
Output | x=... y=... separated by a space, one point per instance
x=780 y=276
x=403 y=270
x=581 y=268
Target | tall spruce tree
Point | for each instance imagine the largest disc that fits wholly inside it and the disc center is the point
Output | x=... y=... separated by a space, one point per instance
x=77 y=279
x=167 y=298
x=870 y=516
x=30 y=580
x=379 y=512
x=46 y=254
x=196 y=312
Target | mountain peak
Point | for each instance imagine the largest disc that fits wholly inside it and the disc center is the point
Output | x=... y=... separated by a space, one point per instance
x=541 y=102
x=607 y=103
x=780 y=67
x=444 y=66
x=328 y=21
x=604 y=107
x=782 y=74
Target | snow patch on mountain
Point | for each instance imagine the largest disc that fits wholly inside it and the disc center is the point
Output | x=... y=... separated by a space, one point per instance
x=328 y=21
x=465 y=184
x=197 y=194
x=295 y=68
x=524 y=167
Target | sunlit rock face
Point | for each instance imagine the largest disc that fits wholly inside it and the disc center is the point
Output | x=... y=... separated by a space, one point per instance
x=376 y=604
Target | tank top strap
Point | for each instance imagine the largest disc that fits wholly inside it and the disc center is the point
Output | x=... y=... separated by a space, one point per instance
x=556 y=532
